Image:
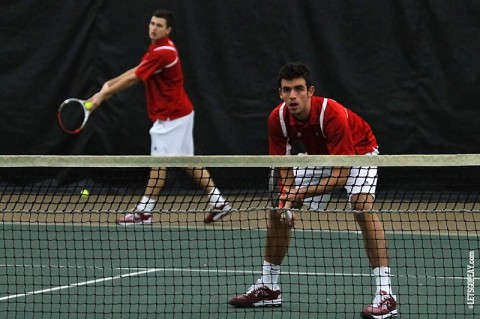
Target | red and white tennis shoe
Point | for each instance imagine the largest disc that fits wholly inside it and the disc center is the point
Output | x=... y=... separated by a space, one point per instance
x=258 y=296
x=383 y=306
x=135 y=218
x=218 y=212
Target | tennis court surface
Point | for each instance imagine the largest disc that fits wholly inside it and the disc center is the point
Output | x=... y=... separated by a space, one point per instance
x=63 y=256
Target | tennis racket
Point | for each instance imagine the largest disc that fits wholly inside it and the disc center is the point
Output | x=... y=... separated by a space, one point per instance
x=73 y=114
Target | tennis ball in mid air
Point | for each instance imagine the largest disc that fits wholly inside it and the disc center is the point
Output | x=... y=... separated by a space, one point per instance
x=88 y=105
x=85 y=193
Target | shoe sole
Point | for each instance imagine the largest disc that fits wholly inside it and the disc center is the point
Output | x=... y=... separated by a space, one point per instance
x=392 y=314
x=219 y=216
x=264 y=304
x=269 y=303
x=258 y=305
x=144 y=223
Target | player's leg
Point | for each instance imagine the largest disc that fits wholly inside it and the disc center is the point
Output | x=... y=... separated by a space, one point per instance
x=181 y=143
x=219 y=206
x=155 y=184
x=361 y=187
x=278 y=235
x=372 y=230
x=167 y=138
x=142 y=213
x=265 y=292
x=278 y=239
x=384 y=302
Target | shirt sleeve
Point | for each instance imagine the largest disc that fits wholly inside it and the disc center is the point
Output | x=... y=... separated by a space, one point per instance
x=154 y=62
x=277 y=142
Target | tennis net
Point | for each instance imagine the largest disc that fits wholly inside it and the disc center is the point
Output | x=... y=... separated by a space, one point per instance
x=63 y=255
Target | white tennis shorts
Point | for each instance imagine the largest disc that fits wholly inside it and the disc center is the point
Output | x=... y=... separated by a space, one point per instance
x=173 y=138
x=362 y=179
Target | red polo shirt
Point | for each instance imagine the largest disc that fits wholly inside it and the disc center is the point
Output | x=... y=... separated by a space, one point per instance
x=331 y=129
x=161 y=71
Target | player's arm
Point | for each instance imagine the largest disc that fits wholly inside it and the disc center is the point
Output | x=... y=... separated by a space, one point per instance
x=115 y=85
x=337 y=179
x=119 y=78
x=287 y=182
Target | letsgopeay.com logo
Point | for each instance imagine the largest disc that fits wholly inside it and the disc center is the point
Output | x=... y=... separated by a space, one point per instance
x=471 y=280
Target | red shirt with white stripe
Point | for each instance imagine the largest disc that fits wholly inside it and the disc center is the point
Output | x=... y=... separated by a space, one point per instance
x=161 y=71
x=331 y=129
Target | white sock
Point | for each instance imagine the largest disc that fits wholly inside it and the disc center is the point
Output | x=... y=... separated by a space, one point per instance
x=216 y=198
x=146 y=205
x=270 y=274
x=382 y=279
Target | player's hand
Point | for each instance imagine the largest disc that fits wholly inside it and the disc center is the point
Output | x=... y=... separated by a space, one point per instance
x=286 y=214
x=96 y=100
x=287 y=217
x=293 y=195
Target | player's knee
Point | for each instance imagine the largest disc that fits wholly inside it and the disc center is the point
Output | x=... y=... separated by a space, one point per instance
x=362 y=202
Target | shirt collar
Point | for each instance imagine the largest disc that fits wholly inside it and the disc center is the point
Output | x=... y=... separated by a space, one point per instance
x=163 y=41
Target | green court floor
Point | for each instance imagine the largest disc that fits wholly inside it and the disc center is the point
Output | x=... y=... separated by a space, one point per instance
x=101 y=271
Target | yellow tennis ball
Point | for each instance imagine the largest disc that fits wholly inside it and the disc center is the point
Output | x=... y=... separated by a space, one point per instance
x=85 y=192
x=88 y=105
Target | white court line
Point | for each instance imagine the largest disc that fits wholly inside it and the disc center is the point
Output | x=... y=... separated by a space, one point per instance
x=217 y=271
x=79 y=284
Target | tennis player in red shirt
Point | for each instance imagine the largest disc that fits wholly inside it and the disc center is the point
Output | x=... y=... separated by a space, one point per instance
x=324 y=127
x=172 y=114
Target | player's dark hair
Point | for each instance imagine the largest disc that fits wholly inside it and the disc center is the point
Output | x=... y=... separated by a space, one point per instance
x=295 y=70
x=165 y=14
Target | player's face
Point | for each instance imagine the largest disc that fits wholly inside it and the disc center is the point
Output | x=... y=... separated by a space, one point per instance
x=158 y=29
x=297 y=97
